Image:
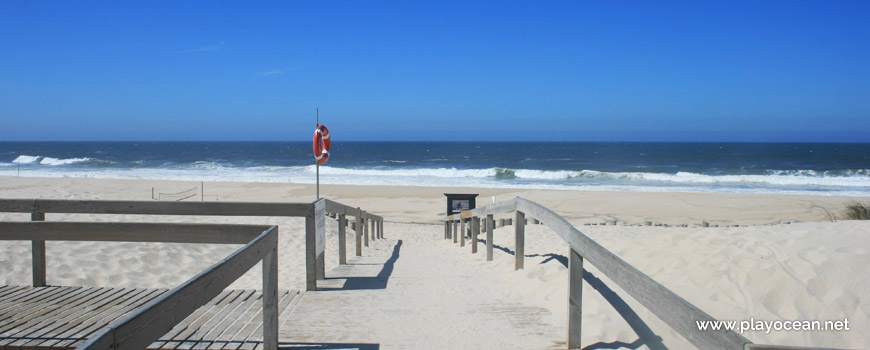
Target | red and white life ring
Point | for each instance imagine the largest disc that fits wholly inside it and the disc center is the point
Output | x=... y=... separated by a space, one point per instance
x=321 y=144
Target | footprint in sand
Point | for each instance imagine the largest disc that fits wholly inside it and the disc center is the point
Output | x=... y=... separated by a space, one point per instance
x=813 y=256
x=850 y=250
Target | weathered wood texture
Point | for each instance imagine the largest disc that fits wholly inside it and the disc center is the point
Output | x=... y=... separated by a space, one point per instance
x=342 y=239
x=520 y=241
x=358 y=232
x=575 y=298
x=64 y=317
x=145 y=325
x=462 y=232
x=37 y=253
x=475 y=231
x=310 y=252
x=490 y=225
x=130 y=232
x=153 y=207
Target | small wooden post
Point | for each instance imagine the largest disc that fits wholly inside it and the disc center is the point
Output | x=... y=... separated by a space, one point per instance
x=462 y=232
x=365 y=228
x=374 y=229
x=358 y=232
x=520 y=237
x=342 y=240
x=310 y=251
x=381 y=228
x=270 y=300
x=455 y=231
x=38 y=253
x=575 y=299
x=475 y=230
x=446 y=229
x=490 y=225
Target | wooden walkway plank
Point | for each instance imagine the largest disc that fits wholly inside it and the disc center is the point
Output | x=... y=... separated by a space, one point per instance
x=62 y=318
x=253 y=333
x=84 y=318
x=169 y=341
x=24 y=302
x=114 y=311
x=39 y=314
x=254 y=317
x=11 y=289
x=232 y=310
x=196 y=334
x=46 y=328
x=241 y=318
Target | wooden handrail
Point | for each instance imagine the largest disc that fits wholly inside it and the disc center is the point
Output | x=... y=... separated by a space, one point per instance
x=678 y=313
x=142 y=327
x=130 y=232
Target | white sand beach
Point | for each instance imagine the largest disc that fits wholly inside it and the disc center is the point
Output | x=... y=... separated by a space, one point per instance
x=771 y=257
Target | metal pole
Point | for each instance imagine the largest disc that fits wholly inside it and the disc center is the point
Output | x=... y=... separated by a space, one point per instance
x=316 y=164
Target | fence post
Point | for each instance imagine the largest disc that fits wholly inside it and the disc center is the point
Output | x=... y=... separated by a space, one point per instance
x=455 y=231
x=358 y=232
x=575 y=298
x=310 y=251
x=365 y=229
x=38 y=253
x=270 y=299
x=461 y=232
x=342 y=240
x=520 y=238
x=475 y=230
x=446 y=229
x=490 y=225
x=374 y=229
x=381 y=228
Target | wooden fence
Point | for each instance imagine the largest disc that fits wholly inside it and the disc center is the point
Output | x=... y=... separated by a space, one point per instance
x=675 y=311
x=139 y=329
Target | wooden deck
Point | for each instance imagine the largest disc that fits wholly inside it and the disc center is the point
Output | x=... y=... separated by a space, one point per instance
x=63 y=317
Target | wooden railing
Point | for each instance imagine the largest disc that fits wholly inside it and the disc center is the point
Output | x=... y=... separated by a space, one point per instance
x=148 y=323
x=675 y=311
x=144 y=326
x=315 y=260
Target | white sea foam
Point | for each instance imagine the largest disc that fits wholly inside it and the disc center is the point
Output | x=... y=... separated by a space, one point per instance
x=851 y=183
x=25 y=159
x=55 y=161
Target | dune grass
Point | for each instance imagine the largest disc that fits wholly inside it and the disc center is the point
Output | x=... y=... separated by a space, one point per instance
x=857 y=211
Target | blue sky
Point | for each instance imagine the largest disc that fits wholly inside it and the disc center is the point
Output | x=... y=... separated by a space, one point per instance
x=405 y=70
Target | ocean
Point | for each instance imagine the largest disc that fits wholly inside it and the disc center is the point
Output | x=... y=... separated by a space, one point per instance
x=784 y=168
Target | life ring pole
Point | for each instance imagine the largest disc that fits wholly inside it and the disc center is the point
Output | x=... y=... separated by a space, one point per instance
x=316 y=163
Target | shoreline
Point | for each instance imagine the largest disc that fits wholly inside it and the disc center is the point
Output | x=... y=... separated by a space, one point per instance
x=587 y=207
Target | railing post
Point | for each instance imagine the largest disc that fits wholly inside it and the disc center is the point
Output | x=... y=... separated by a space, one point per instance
x=358 y=231
x=381 y=228
x=374 y=229
x=310 y=251
x=366 y=230
x=270 y=299
x=575 y=298
x=462 y=232
x=342 y=239
x=520 y=238
x=490 y=225
x=38 y=253
x=475 y=230
x=446 y=229
x=455 y=231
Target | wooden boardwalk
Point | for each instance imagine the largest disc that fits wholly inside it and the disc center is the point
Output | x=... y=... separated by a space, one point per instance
x=63 y=317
